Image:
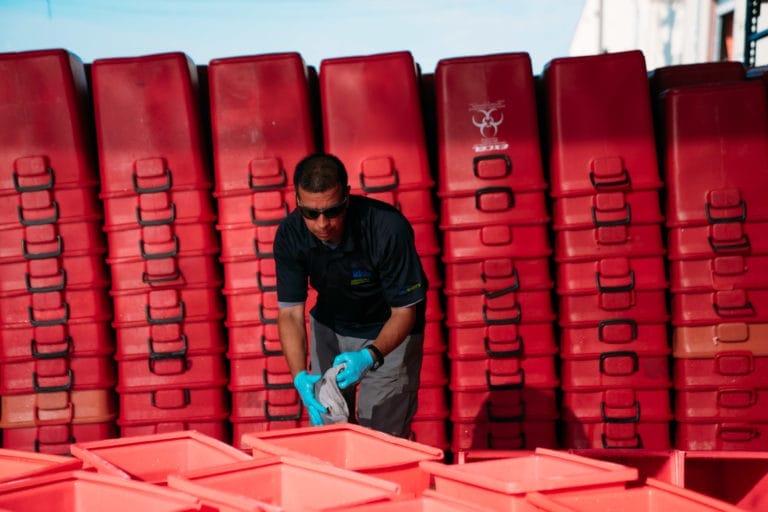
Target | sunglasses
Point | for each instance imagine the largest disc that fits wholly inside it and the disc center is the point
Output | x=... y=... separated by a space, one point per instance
x=330 y=213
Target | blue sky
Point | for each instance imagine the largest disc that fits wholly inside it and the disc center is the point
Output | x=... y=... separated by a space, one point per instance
x=318 y=29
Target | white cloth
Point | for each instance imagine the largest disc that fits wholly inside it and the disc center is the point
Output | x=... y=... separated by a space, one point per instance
x=329 y=395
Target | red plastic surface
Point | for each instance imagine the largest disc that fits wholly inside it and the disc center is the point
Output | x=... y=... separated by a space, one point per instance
x=487 y=124
x=606 y=209
x=591 y=98
x=52 y=240
x=166 y=206
x=265 y=94
x=45 y=120
x=616 y=368
x=58 y=408
x=584 y=310
x=501 y=341
x=706 y=341
x=726 y=368
x=271 y=405
x=495 y=274
x=57 y=374
x=146 y=142
x=699 y=73
x=162 y=241
x=65 y=272
x=251 y=373
x=246 y=241
x=172 y=371
x=727 y=239
x=508 y=308
x=716 y=154
x=736 y=435
x=651 y=435
x=49 y=205
x=18 y=464
x=578 y=245
x=722 y=403
x=617 y=405
x=719 y=273
x=193 y=270
x=75 y=338
x=216 y=427
x=502 y=435
x=614 y=335
x=186 y=338
x=202 y=403
x=152 y=458
x=166 y=306
x=493 y=205
x=502 y=374
x=489 y=242
x=617 y=274
x=54 y=307
x=501 y=405
x=734 y=305
x=56 y=439
x=372 y=120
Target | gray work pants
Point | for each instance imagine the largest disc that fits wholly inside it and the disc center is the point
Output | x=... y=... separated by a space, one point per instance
x=386 y=397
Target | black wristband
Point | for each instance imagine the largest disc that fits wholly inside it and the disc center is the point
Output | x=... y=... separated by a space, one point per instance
x=379 y=357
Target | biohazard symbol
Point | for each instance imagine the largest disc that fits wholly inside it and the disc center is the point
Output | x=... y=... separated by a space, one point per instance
x=489 y=126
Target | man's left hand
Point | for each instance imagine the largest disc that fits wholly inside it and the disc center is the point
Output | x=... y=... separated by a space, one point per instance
x=356 y=364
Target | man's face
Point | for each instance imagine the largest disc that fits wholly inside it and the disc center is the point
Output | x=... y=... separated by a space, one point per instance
x=324 y=212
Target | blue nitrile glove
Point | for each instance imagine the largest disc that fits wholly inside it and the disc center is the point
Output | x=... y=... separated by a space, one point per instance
x=305 y=384
x=356 y=364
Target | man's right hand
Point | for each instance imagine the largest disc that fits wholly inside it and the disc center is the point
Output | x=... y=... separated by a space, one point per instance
x=305 y=385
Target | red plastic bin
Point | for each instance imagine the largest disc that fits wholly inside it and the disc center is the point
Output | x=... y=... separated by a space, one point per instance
x=504 y=373
x=271 y=484
x=624 y=334
x=638 y=240
x=708 y=157
x=722 y=403
x=498 y=341
x=736 y=477
x=714 y=307
x=726 y=368
x=135 y=123
x=618 y=274
x=246 y=240
x=251 y=373
x=57 y=408
x=590 y=98
x=493 y=205
x=77 y=338
x=606 y=209
x=648 y=307
x=49 y=206
x=205 y=402
x=735 y=435
x=499 y=309
x=266 y=405
x=499 y=241
x=699 y=73
x=18 y=464
x=171 y=370
x=52 y=240
x=152 y=458
x=645 y=435
x=503 y=484
x=157 y=208
x=161 y=241
x=45 y=122
x=494 y=274
x=215 y=427
x=708 y=242
x=258 y=207
x=64 y=272
x=265 y=94
x=249 y=273
x=166 y=306
x=57 y=374
x=372 y=102
x=487 y=129
x=193 y=270
x=80 y=491
x=617 y=405
x=186 y=338
x=56 y=439
x=501 y=405
x=719 y=273
x=708 y=340
x=350 y=447
x=615 y=368
x=652 y=495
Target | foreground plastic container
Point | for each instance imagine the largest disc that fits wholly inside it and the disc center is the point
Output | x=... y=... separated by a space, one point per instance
x=152 y=458
x=75 y=491
x=503 y=484
x=353 y=447
x=429 y=501
x=18 y=464
x=738 y=477
x=654 y=495
x=282 y=484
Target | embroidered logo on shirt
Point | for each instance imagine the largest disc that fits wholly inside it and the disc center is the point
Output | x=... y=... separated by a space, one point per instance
x=410 y=289
x=360 y=277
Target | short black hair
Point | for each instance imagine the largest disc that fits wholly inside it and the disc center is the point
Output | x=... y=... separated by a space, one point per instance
x=320 y=172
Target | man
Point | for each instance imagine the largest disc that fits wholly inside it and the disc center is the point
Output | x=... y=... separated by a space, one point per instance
x=360 y=256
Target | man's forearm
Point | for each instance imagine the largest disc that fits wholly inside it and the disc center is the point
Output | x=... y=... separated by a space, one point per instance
x=396 y=329
x=293 y=337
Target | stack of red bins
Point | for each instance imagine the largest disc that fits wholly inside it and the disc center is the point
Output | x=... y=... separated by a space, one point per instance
x=261 y=127
x=159 y=220
x=716 y=156
x=494 y=222
x=609 y=253
x=56 y=370
x=372 y=120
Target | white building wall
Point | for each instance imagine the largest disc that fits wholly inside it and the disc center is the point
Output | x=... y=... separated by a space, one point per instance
x=667 y=31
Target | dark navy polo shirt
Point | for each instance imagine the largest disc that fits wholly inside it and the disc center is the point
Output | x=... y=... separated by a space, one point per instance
x=374 y=267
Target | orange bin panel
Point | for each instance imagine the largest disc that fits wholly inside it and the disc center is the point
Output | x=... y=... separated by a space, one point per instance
x=152 y=458
x=706 y=341
x=353 y=447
